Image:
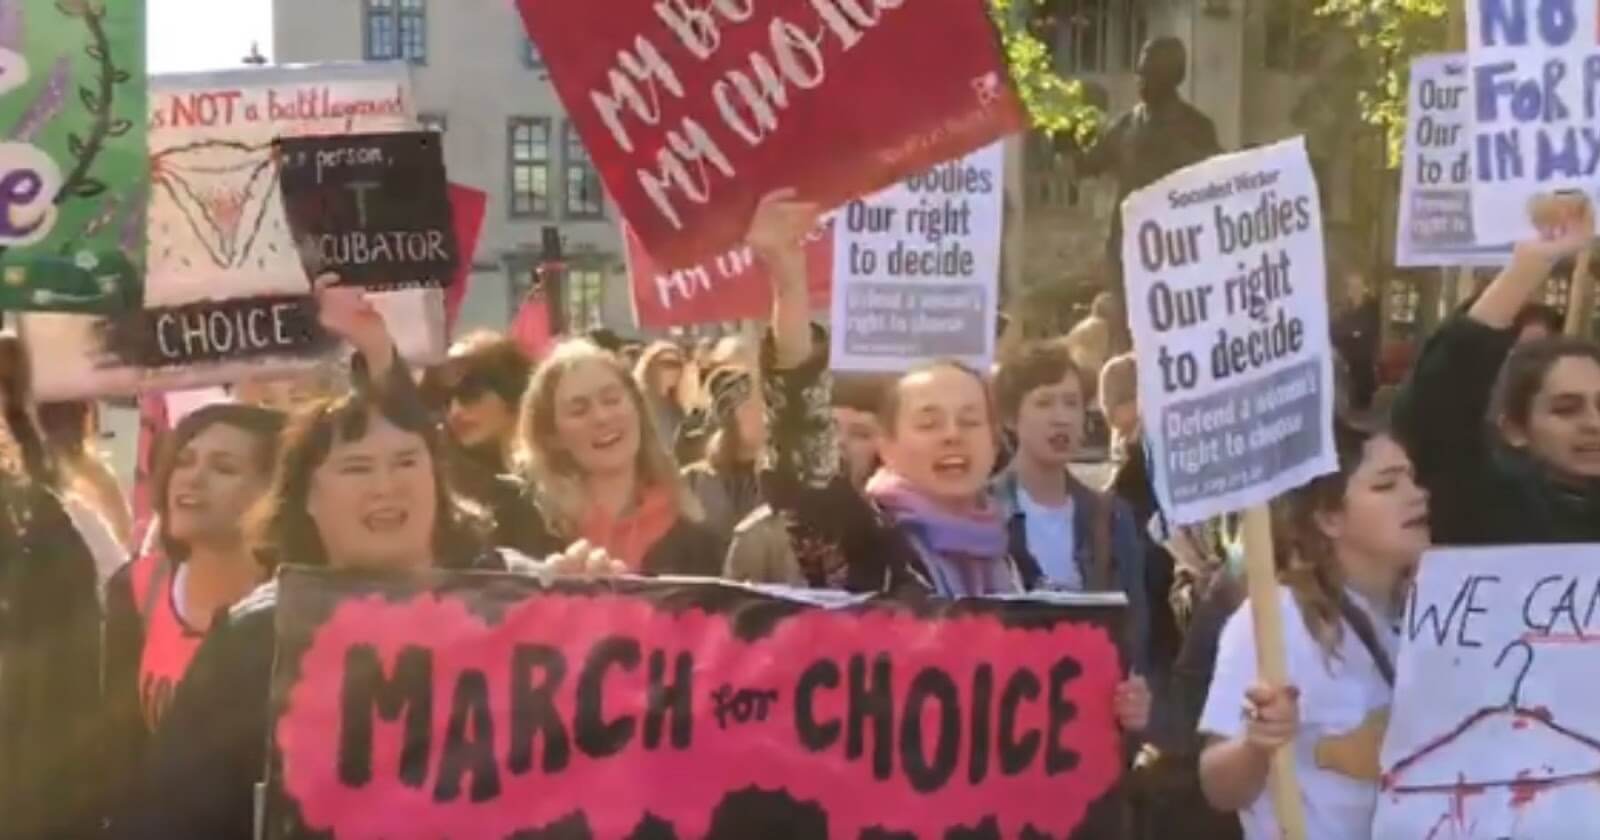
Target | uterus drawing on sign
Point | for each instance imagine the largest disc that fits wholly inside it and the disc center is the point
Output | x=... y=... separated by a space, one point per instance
x=1505 y=772
x=217 y=224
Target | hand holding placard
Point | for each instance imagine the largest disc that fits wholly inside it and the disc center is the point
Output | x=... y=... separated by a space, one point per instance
x=346 y=312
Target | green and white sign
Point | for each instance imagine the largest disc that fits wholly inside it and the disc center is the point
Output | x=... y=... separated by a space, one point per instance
x=74 y=168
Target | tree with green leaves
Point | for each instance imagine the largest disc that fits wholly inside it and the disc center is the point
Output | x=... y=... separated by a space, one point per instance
x=1388 y=34
x=1057 y=107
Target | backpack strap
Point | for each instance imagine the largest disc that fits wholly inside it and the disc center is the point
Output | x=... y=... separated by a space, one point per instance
x=1361 y=623
x=1105 y=575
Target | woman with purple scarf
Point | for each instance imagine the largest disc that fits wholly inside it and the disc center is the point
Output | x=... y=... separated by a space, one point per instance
x=925 y=520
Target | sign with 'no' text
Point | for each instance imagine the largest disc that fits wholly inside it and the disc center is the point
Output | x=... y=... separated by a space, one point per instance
x=479 y=706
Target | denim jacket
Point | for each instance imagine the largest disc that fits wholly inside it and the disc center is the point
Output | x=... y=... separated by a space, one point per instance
x=1127 y=557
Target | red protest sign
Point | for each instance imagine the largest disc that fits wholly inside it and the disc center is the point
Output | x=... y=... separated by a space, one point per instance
x=468 y=207
x=734 y=286
x=692 y=110
x=478 y=706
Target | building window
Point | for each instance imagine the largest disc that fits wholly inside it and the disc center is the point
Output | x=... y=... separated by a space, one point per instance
x=1291 y=40
x=397 y=29
x=531 y=58
x=437 y=123
x=585 y=200
x=585 y=291
x=1099 y=36
x=1405 y=299
x=530 y=166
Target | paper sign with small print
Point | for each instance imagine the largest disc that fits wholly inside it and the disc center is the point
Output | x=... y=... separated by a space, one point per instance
x=1226 y=290
x=372 y=208
x=1435 y=217
x=1535 y=85
x=692 y=111
x=916 y=269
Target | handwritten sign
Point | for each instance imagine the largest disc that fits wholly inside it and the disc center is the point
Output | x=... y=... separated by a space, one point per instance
x=1493 y=731
x=1227 y=298
x=917 y=269
x=72 y=164
x=692 y=111
x=374 y=208
x=731 y=287
x=1536 y=107
x=487 y=706
x=220 y=246
x=1435 y=214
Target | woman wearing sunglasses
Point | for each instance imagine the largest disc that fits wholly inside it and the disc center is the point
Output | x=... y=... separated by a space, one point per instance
x=478 y=391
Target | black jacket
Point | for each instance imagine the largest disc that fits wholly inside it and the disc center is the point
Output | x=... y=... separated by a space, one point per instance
x=840 y=538
x=51 y=725
x=1482 y=492
x=210 y=749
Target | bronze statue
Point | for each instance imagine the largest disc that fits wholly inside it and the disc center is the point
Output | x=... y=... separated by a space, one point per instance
x=1155 y=138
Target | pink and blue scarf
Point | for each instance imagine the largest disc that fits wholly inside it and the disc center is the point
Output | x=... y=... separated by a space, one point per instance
x=964 y=552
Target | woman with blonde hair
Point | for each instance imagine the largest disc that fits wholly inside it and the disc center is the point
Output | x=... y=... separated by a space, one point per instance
x=1354 y=537
x=598 y=469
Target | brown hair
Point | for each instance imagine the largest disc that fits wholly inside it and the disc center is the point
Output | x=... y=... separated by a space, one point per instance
x=262 y=424
x=644 y=374
x=889 y=407
x=16 y=392
x=490 y=359
x=1309 y=566
x=552 y=472
x=1524 y=373
x=1036 y=364
x=284 y=529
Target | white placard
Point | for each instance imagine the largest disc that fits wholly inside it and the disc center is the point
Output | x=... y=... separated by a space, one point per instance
x=1226 y=295
x=226 y=295
x=1494 y=732
x=1535 y=83
x=1435 y=215
x=916 y=269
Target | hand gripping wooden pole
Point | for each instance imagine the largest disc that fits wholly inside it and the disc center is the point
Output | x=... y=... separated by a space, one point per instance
x=1271 y=659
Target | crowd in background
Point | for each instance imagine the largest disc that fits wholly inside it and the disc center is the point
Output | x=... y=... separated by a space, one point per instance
x=134 y=662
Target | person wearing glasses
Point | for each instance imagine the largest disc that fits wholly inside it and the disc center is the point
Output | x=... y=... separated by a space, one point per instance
x=477 y=393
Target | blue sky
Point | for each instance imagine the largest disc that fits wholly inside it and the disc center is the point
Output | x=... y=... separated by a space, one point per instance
x=206 y=34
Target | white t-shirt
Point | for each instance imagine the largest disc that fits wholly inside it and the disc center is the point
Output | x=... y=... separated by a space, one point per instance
x=1050 y=536
x=1336 y=695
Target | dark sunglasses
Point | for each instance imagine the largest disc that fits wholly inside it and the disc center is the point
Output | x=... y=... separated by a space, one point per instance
x=470 y=388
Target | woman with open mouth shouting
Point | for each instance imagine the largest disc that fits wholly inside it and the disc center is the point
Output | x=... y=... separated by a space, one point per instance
x=598 y=469
x=213 y=467
x=926 y=519
x=360 y=486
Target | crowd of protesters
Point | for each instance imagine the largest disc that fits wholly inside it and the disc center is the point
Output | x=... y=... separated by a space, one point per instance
x=134 y=667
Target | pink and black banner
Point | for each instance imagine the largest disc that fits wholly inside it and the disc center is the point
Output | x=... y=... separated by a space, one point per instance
x=477 y=706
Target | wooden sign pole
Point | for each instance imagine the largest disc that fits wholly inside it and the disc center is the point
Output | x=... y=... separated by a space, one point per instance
x=1261 y=576
x=1580 y=297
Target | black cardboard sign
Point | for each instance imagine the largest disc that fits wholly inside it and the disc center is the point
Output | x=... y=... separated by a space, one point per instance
x=373 y=208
